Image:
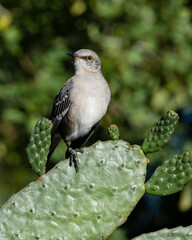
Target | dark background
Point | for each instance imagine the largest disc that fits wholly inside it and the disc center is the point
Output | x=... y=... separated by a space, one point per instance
x=146 y=51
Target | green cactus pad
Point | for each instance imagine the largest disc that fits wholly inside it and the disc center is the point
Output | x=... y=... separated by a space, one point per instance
x=160 y=133
x=119 y=234
x=38 y=147
x=113 y=132
x=178 y=233
x=171 y=176
x=90 y=204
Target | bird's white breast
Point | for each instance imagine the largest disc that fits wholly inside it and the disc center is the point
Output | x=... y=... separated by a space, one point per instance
x=90 y=101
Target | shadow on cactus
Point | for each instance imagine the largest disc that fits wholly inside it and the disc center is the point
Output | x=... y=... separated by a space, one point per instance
x=92 y=203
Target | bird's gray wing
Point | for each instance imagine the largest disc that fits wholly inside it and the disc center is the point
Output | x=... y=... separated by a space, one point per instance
x=61 y=105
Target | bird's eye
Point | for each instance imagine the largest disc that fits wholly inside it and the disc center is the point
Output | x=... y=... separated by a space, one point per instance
x=89 y=58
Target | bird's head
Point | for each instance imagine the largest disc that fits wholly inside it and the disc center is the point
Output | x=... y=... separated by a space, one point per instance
x=86 y=60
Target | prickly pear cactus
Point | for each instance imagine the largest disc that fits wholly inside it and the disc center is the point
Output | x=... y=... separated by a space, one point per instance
x=171 y=176
x=160 y=133
x=90 y=204
x=119 y=234
x=113 y=132
x=178 y=233
x=38 y=147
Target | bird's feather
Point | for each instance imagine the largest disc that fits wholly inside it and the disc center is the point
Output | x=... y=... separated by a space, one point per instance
x=61 y=105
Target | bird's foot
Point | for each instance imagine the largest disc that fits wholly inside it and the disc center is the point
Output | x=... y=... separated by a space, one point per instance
x=79 y=150
x=73 y=158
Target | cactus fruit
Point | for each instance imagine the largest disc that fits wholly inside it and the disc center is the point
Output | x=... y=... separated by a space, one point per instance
x=90 y=204
x=113 y=132
x=38 y=147
x=171 y=176
x=160 y=133
x=178 y=233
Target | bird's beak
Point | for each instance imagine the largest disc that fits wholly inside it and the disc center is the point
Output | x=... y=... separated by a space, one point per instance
x=71 y=54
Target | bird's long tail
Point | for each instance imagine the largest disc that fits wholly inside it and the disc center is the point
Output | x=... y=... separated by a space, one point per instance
x=54 y=142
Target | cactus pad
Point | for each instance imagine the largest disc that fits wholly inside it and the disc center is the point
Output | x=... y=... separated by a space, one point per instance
x=113 y=132
x=178 y=233
x=90 y=204
x=38 y=147
x=171 y=176
x=160 y=133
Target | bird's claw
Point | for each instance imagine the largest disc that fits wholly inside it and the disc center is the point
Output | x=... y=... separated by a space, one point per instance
x=79 y=150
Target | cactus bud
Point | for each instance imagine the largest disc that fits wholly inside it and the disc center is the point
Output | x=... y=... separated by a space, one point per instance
x=113 y=132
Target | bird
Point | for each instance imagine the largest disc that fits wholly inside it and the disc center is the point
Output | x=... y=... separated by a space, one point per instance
x=79 y=106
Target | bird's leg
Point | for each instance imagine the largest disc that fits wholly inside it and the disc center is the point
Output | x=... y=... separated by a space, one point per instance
x=73 y=156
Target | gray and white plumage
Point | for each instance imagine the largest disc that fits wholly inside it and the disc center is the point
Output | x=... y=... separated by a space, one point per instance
x=80 y=104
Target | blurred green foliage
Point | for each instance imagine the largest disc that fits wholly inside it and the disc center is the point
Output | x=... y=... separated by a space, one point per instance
x=145 y=49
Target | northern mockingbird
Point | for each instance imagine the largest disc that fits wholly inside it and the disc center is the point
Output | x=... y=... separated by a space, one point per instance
x=80 y=104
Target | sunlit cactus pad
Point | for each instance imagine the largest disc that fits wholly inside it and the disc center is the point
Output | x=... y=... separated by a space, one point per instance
x=178 y=233
x=160 y=133
x=171 y=176
x=90 y=204
x=113 y=132
x=38 y=147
